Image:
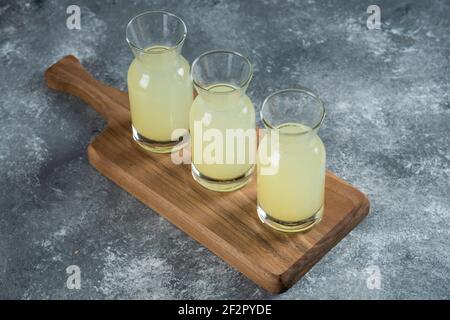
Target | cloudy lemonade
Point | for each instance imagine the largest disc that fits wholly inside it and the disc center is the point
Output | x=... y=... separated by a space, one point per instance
x=293 y=188
x=226 y=111
x=160 y=93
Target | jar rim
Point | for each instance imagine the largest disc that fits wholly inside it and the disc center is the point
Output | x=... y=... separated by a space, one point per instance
x=301 y=90
x=219 y=51
x=161 y=12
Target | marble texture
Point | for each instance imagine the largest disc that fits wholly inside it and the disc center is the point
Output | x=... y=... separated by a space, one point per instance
x=386 y=131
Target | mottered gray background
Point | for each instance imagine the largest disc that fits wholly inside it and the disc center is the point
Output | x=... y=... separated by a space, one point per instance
x=386 y=131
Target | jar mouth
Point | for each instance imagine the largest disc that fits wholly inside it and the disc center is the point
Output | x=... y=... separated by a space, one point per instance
x=242 y=84
x=143 y=50
x=294 y=91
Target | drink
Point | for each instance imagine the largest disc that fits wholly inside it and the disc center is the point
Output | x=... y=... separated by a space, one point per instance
x=159 y=86
x=160 y=94
x=296 y=190
x=224 y=113
x=222 y=121
x=291 y=161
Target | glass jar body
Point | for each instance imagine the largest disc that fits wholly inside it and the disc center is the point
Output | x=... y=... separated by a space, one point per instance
x=161 y=95
x=222 y=140
x=291 y=181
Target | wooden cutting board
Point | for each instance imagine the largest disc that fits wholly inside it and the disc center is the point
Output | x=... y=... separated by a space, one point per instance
x=225 y=223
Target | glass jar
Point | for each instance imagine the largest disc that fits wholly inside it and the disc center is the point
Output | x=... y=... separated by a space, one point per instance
x=291 y=161
x=222 y=121
x=159 y=87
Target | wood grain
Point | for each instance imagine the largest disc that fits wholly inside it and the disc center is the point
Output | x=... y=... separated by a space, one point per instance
x=227 y=224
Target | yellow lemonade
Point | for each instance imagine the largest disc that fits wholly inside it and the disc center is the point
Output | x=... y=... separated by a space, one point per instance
x=223 y=115
x=160 y=92
x=292 y=188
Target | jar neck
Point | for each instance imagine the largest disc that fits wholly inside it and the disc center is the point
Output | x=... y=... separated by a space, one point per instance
x=157 y=56
x=290 y=136
x=221 y=95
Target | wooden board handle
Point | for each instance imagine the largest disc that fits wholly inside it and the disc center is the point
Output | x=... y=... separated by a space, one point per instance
x=68 y=75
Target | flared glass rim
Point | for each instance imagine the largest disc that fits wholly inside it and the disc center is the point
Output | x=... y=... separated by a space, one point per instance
x=301 y=90
x=232 y=52
x=142 y=50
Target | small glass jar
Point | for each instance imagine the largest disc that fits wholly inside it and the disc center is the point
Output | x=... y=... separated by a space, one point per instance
x=222 y=121
x=291 y=161
x=159 y=86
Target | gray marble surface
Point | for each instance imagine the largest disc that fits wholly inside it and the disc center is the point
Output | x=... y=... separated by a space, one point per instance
x=386 y=131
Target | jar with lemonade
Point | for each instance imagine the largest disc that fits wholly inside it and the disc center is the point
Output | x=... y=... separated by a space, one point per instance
x=222 y=121
x=159 y=86
x=291 y=161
